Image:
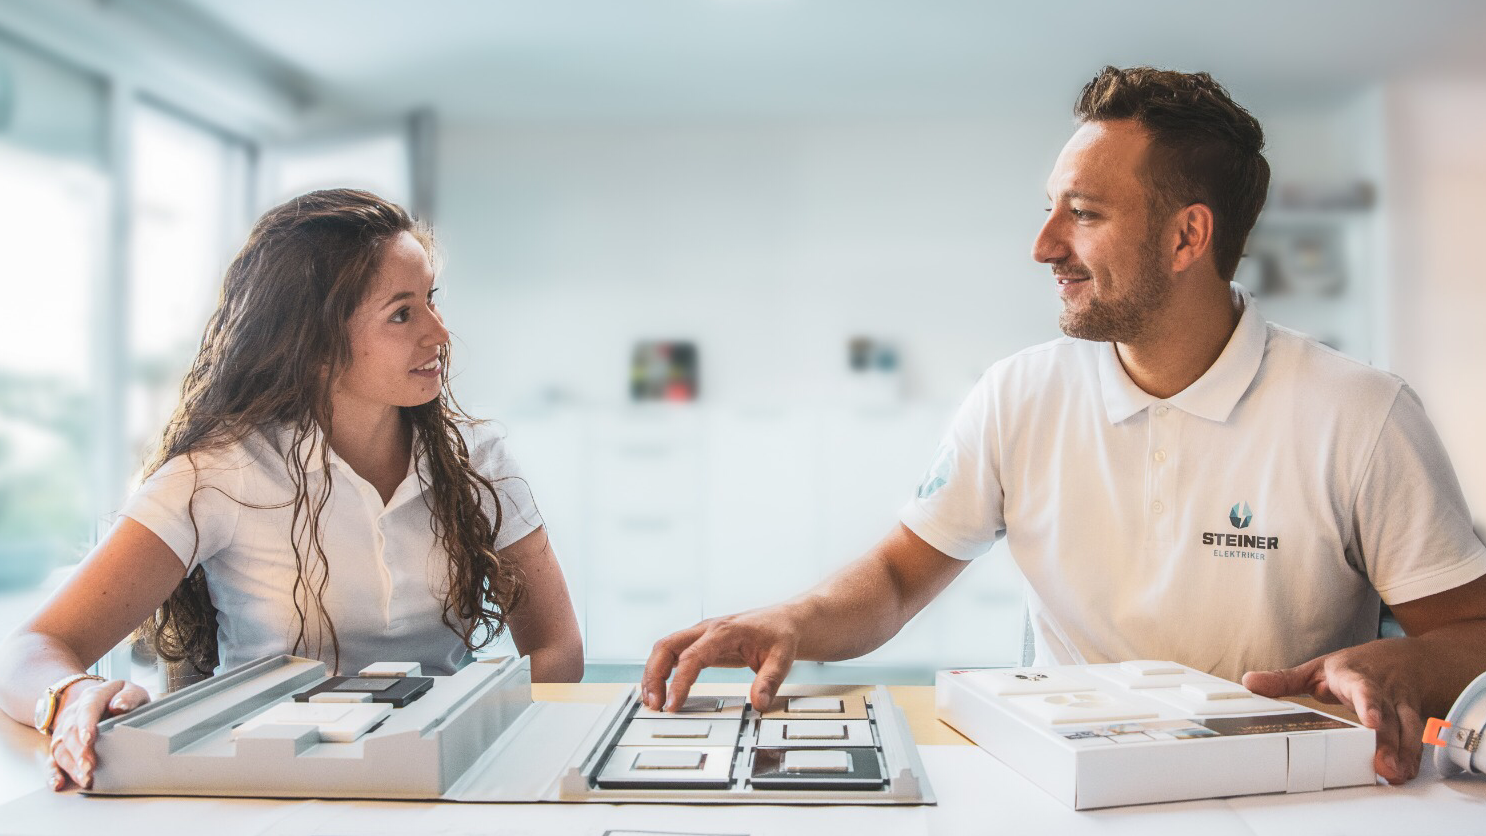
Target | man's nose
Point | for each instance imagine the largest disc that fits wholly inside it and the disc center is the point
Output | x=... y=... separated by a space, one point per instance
x=1049 y=247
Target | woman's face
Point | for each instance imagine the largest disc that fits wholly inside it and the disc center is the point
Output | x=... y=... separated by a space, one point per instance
x=396 y=333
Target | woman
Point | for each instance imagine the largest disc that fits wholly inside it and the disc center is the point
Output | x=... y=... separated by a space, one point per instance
x=317 y=492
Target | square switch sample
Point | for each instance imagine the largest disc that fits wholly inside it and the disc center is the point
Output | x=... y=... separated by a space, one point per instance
x=818 y=708
x=857 y=768
x=676 y=732
x=815 y=733
x=668 y=767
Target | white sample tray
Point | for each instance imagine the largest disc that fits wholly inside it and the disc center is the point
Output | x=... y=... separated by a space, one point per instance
x=1143 y=731
x=477 y=736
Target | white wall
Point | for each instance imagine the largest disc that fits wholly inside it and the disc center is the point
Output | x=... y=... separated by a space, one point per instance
x=769 y=245
x=1437 y=292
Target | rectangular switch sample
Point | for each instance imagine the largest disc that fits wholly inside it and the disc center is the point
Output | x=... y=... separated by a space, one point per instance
x=818 y=708
x=698 y=708
x=856 y=768
x=797 y=734
x=675 y=732
x=664 y=767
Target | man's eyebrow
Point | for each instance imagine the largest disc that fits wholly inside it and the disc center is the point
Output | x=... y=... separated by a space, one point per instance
x=1073 y=194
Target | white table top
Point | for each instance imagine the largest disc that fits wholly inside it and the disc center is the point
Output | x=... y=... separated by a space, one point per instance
x=977 y=794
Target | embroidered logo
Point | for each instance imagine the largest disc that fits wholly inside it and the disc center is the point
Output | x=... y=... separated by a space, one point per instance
x=939 y=472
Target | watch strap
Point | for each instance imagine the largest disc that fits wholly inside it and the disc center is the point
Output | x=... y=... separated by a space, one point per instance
x=54 y=696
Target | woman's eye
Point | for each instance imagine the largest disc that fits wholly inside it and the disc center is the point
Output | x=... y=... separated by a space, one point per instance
x=401 y=315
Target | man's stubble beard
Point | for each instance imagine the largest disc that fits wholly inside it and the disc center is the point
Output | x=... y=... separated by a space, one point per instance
x=1122 y=319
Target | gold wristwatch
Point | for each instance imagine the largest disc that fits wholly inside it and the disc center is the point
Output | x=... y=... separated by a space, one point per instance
x=46 y=707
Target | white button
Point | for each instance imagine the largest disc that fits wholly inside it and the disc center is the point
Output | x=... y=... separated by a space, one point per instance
x=1162 y=410
x=1159 y=455
x=1157 y=507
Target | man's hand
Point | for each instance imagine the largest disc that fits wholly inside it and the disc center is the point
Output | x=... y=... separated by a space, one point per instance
x=1380 y=681
x=764 y=640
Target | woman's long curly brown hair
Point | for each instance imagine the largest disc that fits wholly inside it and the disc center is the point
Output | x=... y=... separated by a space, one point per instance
x=277 y=340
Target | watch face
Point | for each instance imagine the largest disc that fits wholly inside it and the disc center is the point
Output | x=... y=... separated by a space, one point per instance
x=41 y=714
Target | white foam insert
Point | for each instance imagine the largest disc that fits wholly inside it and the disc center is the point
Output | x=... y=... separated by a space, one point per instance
x=1192 y=703
x=337 y=722
x=1080 y=707
x=668 y=759
x=815 y=705
x=816 y=760
x=1005 y=683
x=392 y=669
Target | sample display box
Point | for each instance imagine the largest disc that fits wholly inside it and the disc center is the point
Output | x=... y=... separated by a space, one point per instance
x=280 y=728
x=1146 y=731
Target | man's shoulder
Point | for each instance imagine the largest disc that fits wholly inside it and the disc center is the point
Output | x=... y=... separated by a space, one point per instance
x=1043 y=364
x=1319 y=368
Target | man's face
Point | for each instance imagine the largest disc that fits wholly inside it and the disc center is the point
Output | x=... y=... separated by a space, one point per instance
x=1100 y=237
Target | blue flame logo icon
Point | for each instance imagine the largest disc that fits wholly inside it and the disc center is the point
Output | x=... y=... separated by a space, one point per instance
x=1240 y=518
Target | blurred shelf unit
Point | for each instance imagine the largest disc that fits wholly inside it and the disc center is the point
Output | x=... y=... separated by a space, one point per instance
x=665 y=514
x=1310 y=263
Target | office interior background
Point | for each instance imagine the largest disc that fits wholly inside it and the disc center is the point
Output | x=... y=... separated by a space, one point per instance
x=722 y=268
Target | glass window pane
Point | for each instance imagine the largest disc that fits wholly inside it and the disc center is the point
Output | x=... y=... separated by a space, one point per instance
x=49 y=107
x=189 y=188
x=53 y=217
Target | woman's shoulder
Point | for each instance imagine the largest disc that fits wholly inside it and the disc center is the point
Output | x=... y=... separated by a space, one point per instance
x=218 y=456
x=489 y=451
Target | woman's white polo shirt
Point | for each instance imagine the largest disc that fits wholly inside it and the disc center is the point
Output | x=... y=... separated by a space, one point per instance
x=388 y=572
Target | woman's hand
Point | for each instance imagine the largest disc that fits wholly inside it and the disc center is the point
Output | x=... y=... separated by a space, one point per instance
x=76 y=727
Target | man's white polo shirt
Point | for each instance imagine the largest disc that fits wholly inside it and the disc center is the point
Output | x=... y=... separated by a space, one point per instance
x=1250 y=522
x=388 y=571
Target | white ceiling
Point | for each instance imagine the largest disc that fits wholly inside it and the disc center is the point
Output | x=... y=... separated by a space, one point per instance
x=628 y=59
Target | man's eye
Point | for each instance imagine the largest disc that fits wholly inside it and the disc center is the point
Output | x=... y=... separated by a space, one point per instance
x=401 y=315
x=1081 y=214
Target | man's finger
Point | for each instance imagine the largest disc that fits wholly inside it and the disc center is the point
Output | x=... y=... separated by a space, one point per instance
x=1286 y=682
x=689 y=666
x=1383 y=720
x=1410 y=741
x=657 y=670
x=770 y=677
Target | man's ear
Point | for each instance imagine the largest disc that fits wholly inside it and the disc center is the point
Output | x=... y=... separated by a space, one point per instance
x=1193 y=226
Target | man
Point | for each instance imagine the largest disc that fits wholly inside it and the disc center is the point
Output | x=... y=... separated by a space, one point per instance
x=1177 y=479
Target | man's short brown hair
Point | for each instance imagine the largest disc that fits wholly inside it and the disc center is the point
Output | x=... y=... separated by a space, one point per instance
x=1205 y=147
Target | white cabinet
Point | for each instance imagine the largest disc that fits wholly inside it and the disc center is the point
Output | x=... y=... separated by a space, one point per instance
x=761 y=536
x=668 y=514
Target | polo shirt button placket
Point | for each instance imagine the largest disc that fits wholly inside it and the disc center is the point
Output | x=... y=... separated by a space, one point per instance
x=1159 y=484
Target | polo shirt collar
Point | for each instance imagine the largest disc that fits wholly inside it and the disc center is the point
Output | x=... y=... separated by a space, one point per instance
x=1212 y=396
x=309 y=450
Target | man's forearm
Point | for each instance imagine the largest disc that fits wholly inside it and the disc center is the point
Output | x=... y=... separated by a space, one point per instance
x=851 y=613
x=1450 y=657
